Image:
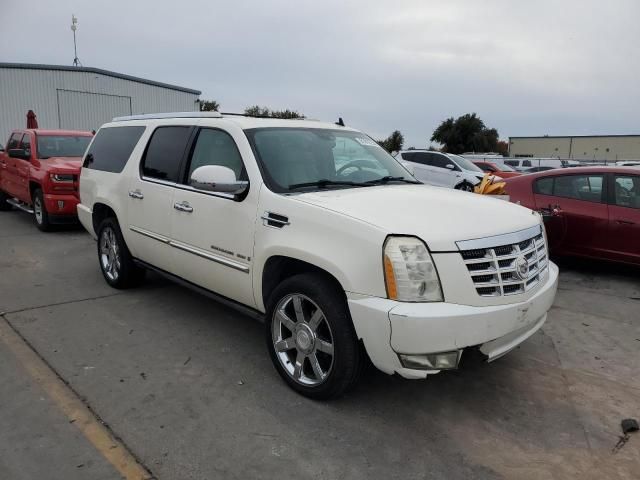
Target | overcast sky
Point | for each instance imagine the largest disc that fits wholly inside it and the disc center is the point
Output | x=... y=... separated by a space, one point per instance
x=526 y=67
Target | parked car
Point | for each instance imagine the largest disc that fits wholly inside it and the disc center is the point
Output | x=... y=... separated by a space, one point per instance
x=442 y=169
x=628 y=163
x=524 y=164
x=39 y=172
x=495 y=167
x=591 y=211
x=318 y=231
x=538 y=169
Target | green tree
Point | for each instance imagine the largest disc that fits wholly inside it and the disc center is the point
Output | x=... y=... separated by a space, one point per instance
x=393 y=143
x=467 y=133
x=209 y=106
x=258 y=111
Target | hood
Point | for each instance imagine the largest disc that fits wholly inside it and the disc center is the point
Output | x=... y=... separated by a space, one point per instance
x=67 y=164
x=439 y=216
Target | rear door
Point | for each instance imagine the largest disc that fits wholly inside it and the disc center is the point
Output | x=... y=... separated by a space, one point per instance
x=212 y=233
x=580 y=215
x=10 y=181
x=624 y=217
x=150 y=196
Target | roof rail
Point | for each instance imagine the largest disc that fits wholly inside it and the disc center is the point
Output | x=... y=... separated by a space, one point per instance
x=154 y=116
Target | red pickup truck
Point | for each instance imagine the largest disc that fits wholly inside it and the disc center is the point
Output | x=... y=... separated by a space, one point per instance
x=39 y=171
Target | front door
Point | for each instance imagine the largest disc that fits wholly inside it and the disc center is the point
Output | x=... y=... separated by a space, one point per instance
x=624 y=218
x=443 y=176
x=23 y=167
x=150 y=196
x=213 y=232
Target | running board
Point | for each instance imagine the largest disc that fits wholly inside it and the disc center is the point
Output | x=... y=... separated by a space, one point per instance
x=20 y=205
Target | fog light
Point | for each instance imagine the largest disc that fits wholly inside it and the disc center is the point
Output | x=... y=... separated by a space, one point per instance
x=431 y=361
x=60 y=204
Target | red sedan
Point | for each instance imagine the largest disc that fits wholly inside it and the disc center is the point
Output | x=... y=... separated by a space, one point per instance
x=589 y=211
x=494 y=168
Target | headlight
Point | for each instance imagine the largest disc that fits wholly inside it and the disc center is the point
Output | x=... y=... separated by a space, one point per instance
x=61 y=177
x=409 y=272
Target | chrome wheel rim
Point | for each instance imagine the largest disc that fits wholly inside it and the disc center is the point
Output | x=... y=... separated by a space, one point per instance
x=109 y=254
x=37 y=210
x=302 y=340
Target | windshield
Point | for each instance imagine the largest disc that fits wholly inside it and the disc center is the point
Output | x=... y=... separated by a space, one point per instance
x=62 y=145
x=465 y=164
x=504 y=167
x=299 y=157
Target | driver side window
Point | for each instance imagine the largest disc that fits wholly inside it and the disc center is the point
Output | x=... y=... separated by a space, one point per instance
x=439 y=161
x=216 y=147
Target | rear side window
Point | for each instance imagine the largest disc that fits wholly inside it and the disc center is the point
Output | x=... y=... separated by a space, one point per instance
x=512 y=163
x=407 y=156
x=14 y=141
x=421 y=158
x=526 y=163
x=164 y=153
x=112 y=148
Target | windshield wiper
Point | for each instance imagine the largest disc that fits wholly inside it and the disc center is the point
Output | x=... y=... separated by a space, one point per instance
x=324 y=183
x=389 y=178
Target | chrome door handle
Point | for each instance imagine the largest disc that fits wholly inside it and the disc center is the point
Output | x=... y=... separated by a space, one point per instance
x=136 y=194
x=183 y=207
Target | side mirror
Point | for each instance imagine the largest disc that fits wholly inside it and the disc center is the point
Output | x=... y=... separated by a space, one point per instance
x=450 y=166
x=19 y=153
x=216 y=178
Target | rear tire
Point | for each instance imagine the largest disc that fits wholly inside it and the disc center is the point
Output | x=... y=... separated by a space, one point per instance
x=310 y=337
x=116 y=263
x=4 y=206
x=40 y=214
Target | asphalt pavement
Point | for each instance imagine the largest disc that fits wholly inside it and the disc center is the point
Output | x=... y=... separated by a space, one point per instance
x=184 y=386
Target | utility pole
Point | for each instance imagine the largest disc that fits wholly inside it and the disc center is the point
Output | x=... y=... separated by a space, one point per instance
x=74 y=27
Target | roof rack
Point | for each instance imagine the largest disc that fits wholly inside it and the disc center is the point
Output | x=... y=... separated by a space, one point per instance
x=153 y=116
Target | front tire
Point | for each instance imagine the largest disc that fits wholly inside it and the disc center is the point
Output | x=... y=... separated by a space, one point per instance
x=310 y=337
x=465 y=187
x=40 y=214
x=116 y=262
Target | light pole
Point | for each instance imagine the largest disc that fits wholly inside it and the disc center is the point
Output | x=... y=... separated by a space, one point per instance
x=74 y=27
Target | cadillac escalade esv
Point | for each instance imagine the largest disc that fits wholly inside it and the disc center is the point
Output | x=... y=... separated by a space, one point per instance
x=39 y=172
x=315 y=229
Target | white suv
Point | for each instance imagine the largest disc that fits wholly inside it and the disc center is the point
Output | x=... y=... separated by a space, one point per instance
x=315 y=229
x=442 y=169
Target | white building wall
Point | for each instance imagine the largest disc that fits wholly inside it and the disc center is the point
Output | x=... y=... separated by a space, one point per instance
x=23 y=89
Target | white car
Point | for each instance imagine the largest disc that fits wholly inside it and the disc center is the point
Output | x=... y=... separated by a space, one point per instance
x=442 y=169
x=317 y=231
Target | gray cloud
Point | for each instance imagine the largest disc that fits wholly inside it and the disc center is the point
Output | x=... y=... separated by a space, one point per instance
x=556 y=67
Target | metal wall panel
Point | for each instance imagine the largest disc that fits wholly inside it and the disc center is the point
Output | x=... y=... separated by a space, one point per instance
x=23 y=89
x=87 y=111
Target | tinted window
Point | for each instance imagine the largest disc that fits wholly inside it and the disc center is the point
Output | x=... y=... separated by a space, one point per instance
x=526 y=163
x=439 y=161
x=420 y=157
x=14 y=141
x=62 y=145
x=164 y=153
x=486 y=167
x=544 y=186
x=26 y=143
x=627 y=191
x=407 y=156
x=215 y=147
x=512 y=163
x=580 y=187
x=112 y=147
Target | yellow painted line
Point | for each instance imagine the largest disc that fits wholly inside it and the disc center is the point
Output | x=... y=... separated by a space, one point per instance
x=95 y=432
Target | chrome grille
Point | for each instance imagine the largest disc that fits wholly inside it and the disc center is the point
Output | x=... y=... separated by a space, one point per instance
x=500 y=269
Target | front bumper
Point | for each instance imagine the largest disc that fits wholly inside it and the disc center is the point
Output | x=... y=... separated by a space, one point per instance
x=388 y=328
x=61 y=204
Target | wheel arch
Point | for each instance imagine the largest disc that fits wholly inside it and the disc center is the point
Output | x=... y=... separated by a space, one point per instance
x=277 y=268
x=33 y=186
x=100 y=212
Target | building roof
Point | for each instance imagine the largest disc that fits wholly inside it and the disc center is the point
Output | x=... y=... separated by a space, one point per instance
x=67 y=68
x=575 y=136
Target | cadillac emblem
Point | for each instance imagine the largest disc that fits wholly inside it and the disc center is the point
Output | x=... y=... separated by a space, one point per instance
x=522 y=267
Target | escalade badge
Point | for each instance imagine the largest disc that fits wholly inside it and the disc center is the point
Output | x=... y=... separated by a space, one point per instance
x=522 y=267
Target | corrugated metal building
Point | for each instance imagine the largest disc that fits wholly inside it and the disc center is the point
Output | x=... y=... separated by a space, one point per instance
x=580 y=147
x=81 y=98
